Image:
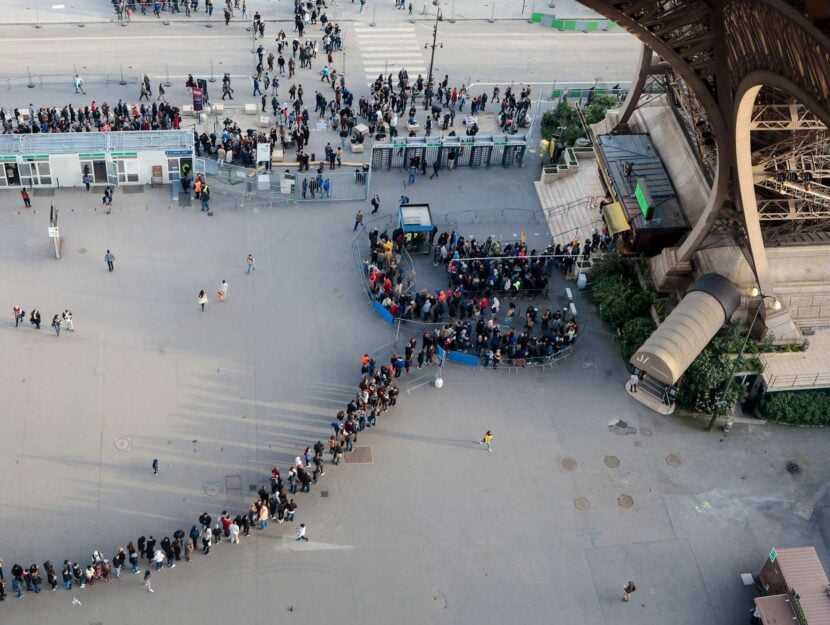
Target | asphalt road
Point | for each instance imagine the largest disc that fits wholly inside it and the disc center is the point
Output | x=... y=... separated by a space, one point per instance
x=476 y=52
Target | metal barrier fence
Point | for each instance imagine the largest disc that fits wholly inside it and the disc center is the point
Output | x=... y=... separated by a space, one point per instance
x=273 y=186
x=450 y=152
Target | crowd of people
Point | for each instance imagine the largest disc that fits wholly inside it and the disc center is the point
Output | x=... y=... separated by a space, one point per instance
x=469 y=313
x=376 y=393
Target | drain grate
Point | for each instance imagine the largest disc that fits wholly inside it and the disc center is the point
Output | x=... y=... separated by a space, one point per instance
x=121 y=443
x=570 y=464
x=612 y=462
x=793 y=468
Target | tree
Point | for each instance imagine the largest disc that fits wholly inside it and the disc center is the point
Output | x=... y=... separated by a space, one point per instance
x=563 y=122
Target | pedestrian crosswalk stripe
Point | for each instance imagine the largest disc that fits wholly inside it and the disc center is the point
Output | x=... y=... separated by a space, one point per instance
x=363 y=30
x=392 y=55
x=402 y=48
x=387 y=50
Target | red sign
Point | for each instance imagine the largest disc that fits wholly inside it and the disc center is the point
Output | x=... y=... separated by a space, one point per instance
x=197 y=98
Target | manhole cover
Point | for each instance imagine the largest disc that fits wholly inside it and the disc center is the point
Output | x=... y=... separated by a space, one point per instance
x=793 y=468
x=212 y=489
x=82 y=250
x=360 y=455
x=673 y=460
x=570 y=464
x=122 y=443
x=324 y=493
x=581 y=503
x=612 y=462
x=803 y=510
x=625 y=501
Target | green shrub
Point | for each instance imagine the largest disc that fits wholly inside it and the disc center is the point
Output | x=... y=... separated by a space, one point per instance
x=595 y=111
x=564 y=122
x=612 y=264
x=797 y=407
x=704 y=383
x=620 y=299
x=634 y=334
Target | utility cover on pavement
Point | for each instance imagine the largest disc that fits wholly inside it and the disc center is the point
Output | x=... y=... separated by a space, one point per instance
x=360 y=455
x=625 y=501
x=570 y=464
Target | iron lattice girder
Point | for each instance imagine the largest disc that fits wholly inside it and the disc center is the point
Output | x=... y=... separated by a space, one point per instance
x=793 y=116
x=816 y=200
x=796 y=148
x=791 y=209
x=760 y=37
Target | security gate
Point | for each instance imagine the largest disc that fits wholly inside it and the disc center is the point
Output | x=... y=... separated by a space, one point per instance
x=451 y=152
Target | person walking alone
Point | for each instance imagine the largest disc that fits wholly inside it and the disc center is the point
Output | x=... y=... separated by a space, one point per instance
x=24 y=194
x=56 y=323
x=155 y=466
x=202 y=299
x=301 y=533
x=375 y=204
x=79 y=84
x=250 y=260
x=222 y=293
x=19 y=315
x=487 y=440
x=110 y=258
x=358 y=220
x=435 y=167
x=633 y=382
x=629 y=588
x=147 y=581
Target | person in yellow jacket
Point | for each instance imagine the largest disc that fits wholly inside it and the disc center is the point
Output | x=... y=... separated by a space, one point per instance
x=487 y=440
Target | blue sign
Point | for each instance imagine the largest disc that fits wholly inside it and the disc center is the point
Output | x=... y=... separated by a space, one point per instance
x=178 y=153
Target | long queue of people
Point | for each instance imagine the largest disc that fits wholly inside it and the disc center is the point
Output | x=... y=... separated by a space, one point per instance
x=91 y=118
x=375 y=395
x=469 y=312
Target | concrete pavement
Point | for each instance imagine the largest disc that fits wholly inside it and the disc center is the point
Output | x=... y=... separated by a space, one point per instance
x=548 y=527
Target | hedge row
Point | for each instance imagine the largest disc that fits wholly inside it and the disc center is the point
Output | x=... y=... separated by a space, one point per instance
x=797 y=407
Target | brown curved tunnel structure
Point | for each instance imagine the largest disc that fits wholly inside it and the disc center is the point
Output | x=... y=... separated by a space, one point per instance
x=709 y=303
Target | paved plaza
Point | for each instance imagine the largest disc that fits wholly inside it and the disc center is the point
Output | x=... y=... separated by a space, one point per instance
x=585 y=490
x=548 y=527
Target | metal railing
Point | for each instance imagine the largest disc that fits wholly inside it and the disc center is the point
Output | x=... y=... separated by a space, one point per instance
x=780 y=382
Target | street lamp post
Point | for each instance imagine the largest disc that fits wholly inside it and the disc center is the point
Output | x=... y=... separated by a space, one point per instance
x=776 y=305
x=428 y=98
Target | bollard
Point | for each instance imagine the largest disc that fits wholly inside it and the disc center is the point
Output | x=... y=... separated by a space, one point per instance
x=212 y=77
x=452 y=13
x=492 y=12
x=374 y=7
x=37 y=19
x=31 y=84
x=123 y=80
x=167 y=82
x=81 y=10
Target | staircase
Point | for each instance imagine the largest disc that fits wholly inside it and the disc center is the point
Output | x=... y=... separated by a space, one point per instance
x=651 y=393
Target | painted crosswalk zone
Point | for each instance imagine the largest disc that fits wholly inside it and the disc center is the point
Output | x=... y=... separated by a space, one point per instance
x=387 y=50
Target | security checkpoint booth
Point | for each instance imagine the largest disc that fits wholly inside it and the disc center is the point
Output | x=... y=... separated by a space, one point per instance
x=56 y=160
x=450 y=151
x=415 y=221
